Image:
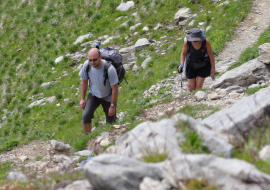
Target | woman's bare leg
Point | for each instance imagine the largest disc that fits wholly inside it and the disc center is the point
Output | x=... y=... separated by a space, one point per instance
x=199 y=82
x=191 y=84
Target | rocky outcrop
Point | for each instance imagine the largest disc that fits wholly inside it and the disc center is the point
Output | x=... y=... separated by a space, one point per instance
x=245 y=75
x=141 y=44
x=241 y=116
x=264 y=53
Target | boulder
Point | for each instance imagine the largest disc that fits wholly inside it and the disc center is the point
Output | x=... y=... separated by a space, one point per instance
x=182 y=14
x=81 y=38
x=153 y=184
x=144 y=63
x=240 y=116
x=125 y=6
x=217 y=143
x=128 y=66
x=216 y=171
x=128 y=55
x=161 y=137
x=141 y=44
x=245 y=75
x=264 y=51
x=115 y=172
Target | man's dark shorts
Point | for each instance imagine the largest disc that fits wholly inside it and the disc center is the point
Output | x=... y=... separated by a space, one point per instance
x=203 y=72
x=92 y=104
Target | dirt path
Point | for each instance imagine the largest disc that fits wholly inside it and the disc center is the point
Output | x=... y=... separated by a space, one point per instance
x=248 y=32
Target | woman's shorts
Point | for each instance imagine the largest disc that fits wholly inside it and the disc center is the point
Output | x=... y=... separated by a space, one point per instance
x=203 y=72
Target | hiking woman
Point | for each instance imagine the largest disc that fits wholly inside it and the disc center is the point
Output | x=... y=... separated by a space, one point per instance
x=197 y=59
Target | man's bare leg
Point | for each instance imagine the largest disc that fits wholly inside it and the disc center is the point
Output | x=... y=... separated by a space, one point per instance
x=87 y=127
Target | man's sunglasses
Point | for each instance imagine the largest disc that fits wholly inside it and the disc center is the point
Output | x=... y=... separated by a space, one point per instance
x=93 y=59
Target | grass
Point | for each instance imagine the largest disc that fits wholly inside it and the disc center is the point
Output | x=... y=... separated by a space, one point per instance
x=153 y=155
x=196 y=109
x=254 y=90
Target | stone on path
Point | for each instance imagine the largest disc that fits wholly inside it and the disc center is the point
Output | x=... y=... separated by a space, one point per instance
x=238 y=89
x=240 y=116
x=16 y=176
x=200 y=95
x=60 y=146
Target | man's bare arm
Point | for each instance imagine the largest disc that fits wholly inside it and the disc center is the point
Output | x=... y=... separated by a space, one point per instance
x=84 y=85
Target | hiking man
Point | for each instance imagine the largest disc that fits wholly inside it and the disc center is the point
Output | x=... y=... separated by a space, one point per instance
x=98 y=93
x=197 y=59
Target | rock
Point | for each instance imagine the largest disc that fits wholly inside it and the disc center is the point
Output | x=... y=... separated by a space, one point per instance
x=200 y=95
x=145 y=28
x=128 y=54
x=216 y=171
x=128 y=66
x=98 y=4
x=66 y=99
x=81 y=38
x=144 y=63
x=240 y=116
x=133 y=143
x=182 y=14
x=222 y=66
x=16 y=176
x=110 y=171
x=23 y=158
x=135 y=68
x=79 y=185
x=264 y=52
x=60 y=146
x=264 y=153
x=208 y=28
x=191 y=23
x=141 y=44
x=104 y=142
x=152 y=184
x=108 y=40
x=182 y=23
x=84 y=153
x=245 y=75
x=65 y=161
x=38 y=102
x=77 y=58
x=217 y=143
x=59 y=59
x=125 y=6
x=213 y=96
x=19 y=66
x=253 y=86
x=45 y=84
x=158 y=26
x=135 y=26
x=233 y=95
x=238 y=89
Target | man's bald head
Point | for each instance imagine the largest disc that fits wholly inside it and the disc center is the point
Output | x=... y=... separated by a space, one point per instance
x=94 y=52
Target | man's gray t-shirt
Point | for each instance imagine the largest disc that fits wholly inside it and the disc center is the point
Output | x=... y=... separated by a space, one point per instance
x=97 y=87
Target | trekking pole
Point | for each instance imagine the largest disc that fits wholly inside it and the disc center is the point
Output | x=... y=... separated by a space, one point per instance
x=181 y=68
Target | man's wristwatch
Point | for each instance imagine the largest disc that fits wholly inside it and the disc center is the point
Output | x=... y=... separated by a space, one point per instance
x=113 y=104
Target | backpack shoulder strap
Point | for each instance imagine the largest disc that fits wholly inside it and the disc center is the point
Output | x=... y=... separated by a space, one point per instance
x=106 y=67
x=204 y=45
x=88 y=68
x=188 y=45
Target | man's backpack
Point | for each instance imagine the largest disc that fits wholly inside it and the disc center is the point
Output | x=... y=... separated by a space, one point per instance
x=114 y=58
